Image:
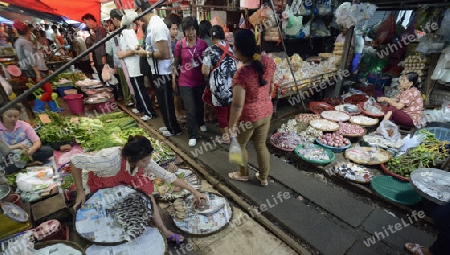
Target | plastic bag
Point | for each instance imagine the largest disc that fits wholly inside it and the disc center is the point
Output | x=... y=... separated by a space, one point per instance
x=35 y=181
x=107 y=73
x=23 y=245
x=370 y=106
x=411 y=142
x=389 y=130
x=292 y=24
x=387 y=31
x=444 y=29
x=318 y=29
x=235 y=153
x=446 y=111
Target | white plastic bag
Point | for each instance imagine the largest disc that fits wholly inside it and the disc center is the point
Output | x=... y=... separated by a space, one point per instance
x=107 y=73
x=369 y=106
x=35 y=181
x=235 y=153
x=446 y=111
x=411 y=142
x=389 y=130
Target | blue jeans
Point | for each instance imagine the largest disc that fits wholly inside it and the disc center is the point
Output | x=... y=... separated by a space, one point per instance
x=195 y=109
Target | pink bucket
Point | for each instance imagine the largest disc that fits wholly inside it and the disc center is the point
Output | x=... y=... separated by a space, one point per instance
x=75 y=103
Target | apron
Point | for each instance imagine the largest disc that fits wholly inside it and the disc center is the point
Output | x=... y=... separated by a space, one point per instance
x=138 y=181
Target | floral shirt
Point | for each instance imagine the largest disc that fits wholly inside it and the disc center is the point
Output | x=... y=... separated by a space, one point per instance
x=221 y=78
x=258 y=104
x=412 y=99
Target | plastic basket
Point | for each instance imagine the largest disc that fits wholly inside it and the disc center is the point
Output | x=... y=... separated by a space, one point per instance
x=373 y=115
x=335 y=149
x=319 y=107
x=331 y=155
x=395 y=190
x=402 y=178
x=441 y=133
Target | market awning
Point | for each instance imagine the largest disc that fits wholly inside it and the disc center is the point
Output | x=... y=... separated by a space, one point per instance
x=32 y=8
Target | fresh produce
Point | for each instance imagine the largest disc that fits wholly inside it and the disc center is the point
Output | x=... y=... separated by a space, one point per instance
x=292 y=126
x=314 y=153
x=356 y=99
x=334 y=140
x=286 y=141
x=426 y=155
x=306 y=117
x=335 y=116
x=324 y=125
x=363 y=120
x=310 y=134
x=347 y=129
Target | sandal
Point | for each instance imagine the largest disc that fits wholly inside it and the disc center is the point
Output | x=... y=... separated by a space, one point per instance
x=415 y=249
x=237 y=176
x=175 y=238
x=264 y=183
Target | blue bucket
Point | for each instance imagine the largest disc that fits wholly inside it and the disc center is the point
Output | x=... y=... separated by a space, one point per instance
x=62 y=89
x=379 y=80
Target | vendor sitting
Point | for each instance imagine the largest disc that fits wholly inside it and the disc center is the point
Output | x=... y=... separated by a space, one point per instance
x=126 y=166
x=406 y=108
x=21 y=138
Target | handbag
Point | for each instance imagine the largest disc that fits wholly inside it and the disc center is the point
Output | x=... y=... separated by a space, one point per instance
x=207 y=94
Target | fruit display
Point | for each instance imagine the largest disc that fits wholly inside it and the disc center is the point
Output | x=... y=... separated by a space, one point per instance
x=334 y=140
x=348 y=129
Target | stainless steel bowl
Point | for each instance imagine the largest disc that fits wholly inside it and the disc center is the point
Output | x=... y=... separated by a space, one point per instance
x=4 y=191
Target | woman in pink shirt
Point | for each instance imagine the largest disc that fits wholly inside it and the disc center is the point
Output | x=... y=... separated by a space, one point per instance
x=406 y=108
x=251 y=106
x=191 y=82
x=21 y=138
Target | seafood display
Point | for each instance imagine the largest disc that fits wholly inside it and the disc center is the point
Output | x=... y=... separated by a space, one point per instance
x=206 y=218
x=363 y=120
x=169 y=192
x=353 y=172
x=133 y=214
x=113 y=216
x=336 y=116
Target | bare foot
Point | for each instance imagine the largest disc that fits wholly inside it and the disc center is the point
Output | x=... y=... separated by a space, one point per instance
x=388 y=115
x=35 y=163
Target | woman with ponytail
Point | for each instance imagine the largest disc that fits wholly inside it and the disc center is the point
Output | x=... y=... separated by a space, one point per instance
x=251 y=108
x=131 y=166
x=406 y=108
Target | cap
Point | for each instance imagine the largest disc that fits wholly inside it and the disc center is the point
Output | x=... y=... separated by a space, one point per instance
x=115 y=13
x=22 y=27
x=142 y=4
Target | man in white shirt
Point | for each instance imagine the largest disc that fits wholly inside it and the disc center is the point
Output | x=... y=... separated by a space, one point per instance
x=160 y=58
x=49 y=34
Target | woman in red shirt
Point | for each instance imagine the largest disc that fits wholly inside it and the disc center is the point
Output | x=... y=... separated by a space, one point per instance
x=252 y=106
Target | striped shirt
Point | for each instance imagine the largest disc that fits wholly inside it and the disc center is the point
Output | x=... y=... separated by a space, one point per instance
x=107 y=162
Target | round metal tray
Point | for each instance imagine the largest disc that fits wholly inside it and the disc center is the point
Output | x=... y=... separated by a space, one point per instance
x=94 y=99
x=4 y=191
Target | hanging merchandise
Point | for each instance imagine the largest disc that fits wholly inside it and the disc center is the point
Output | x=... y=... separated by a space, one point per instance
x=295 y=8
x=348 y=15
x=386 y=32
x=318 y=28
x=422 y=18
x=291 y=24
x=444 y=29
x=249 y=4
x=442 y=71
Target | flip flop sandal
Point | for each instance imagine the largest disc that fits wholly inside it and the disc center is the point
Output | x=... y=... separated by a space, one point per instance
x=264 y=183
x=175 y=238
x=237 y=176
x=414 y=248
x=221 y=141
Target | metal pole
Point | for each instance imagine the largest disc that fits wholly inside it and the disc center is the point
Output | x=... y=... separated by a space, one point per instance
x=284 y=48
x=73 y=61
x=343 y=65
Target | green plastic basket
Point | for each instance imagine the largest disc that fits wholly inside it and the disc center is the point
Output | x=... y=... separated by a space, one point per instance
x=331 y=155
x=393 y=189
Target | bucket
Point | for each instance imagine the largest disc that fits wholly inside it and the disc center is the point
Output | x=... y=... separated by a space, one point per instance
x=61 y=90
x=105 y=107
x=75 y=103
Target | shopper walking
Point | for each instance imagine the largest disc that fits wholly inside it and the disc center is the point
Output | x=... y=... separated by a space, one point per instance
x=128 y=43
x=219 y=65
x=100 y=52
x=205 y=34
x=160 y=59
x=83 y=64
x=252 y=87
x=191 y=82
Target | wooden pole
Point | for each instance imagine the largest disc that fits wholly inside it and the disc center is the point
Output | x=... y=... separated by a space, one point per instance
x=343 y=65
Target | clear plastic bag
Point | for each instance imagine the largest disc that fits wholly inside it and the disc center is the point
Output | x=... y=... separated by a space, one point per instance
x=235 y=153
x=411 y=142
x=370 y=106
x=389 y=130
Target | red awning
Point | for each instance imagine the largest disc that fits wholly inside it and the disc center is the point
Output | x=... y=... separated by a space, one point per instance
x=75 y=9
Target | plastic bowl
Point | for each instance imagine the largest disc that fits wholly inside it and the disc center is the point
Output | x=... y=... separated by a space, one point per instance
x=335 y=149
x=331 y=155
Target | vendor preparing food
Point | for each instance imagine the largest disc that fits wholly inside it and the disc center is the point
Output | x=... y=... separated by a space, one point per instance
x=407 y=108
x=126 y=166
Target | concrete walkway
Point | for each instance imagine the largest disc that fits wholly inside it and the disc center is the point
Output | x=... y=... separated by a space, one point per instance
x=330 y=219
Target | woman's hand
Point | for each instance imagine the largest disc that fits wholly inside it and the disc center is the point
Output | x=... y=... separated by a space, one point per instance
x=30 y=152
x=198 y=197
x=81 y=198
x=381 y=99
x=18 y=146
